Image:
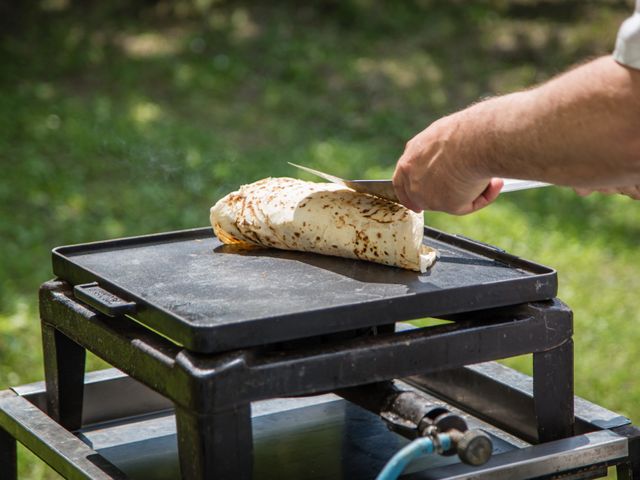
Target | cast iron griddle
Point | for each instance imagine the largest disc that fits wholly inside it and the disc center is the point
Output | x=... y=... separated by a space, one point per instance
x=210 y=297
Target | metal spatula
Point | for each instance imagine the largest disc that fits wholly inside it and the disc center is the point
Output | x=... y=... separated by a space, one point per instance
x=384 y=188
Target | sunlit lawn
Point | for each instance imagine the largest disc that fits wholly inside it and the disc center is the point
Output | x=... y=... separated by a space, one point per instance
x=127 y=119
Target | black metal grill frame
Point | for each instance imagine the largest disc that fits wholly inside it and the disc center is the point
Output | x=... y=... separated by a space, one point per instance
x=212 y=394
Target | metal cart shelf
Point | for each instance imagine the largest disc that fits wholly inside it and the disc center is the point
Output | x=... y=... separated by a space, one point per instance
x=130 y=432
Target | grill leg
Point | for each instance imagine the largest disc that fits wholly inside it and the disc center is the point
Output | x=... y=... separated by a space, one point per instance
x=553 y=392
x=631 y=469
x=8 y=456
x=623 y=472
x=215 y=446
x=64 y=362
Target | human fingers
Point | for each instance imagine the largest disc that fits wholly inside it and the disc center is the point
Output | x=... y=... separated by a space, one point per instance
x=583 y=192
x=399 y=185
x=493 y=190
x=488 y=195
x=632 y=191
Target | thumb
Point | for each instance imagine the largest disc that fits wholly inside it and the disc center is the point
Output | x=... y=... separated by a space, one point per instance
x=489 y=194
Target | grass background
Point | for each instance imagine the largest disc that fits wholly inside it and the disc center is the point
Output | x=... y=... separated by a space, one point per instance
x=122 y=118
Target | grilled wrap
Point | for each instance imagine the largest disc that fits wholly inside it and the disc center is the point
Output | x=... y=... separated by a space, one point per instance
x=322 y=218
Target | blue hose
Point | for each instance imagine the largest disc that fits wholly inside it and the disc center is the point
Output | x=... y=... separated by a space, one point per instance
x=420 y=446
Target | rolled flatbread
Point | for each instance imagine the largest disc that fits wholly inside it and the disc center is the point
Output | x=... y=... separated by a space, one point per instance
x=322 y=218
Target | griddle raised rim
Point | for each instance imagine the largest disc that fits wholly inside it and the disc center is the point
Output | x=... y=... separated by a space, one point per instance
x=187 y=334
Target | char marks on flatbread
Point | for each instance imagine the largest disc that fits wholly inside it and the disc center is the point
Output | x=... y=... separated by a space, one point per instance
x=322 y=218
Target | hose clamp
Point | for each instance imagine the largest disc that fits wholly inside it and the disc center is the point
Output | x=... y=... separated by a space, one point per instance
x=432 y=432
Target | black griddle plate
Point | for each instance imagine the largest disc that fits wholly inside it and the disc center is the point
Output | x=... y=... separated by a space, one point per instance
x=210 y=297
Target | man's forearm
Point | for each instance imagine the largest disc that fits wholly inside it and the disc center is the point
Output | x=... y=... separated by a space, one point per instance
x=581 y=129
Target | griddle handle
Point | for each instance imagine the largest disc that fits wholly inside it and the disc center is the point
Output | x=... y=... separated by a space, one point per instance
x=102 y=300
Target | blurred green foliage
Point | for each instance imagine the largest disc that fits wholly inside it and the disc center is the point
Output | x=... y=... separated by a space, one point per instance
x=122 y=118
